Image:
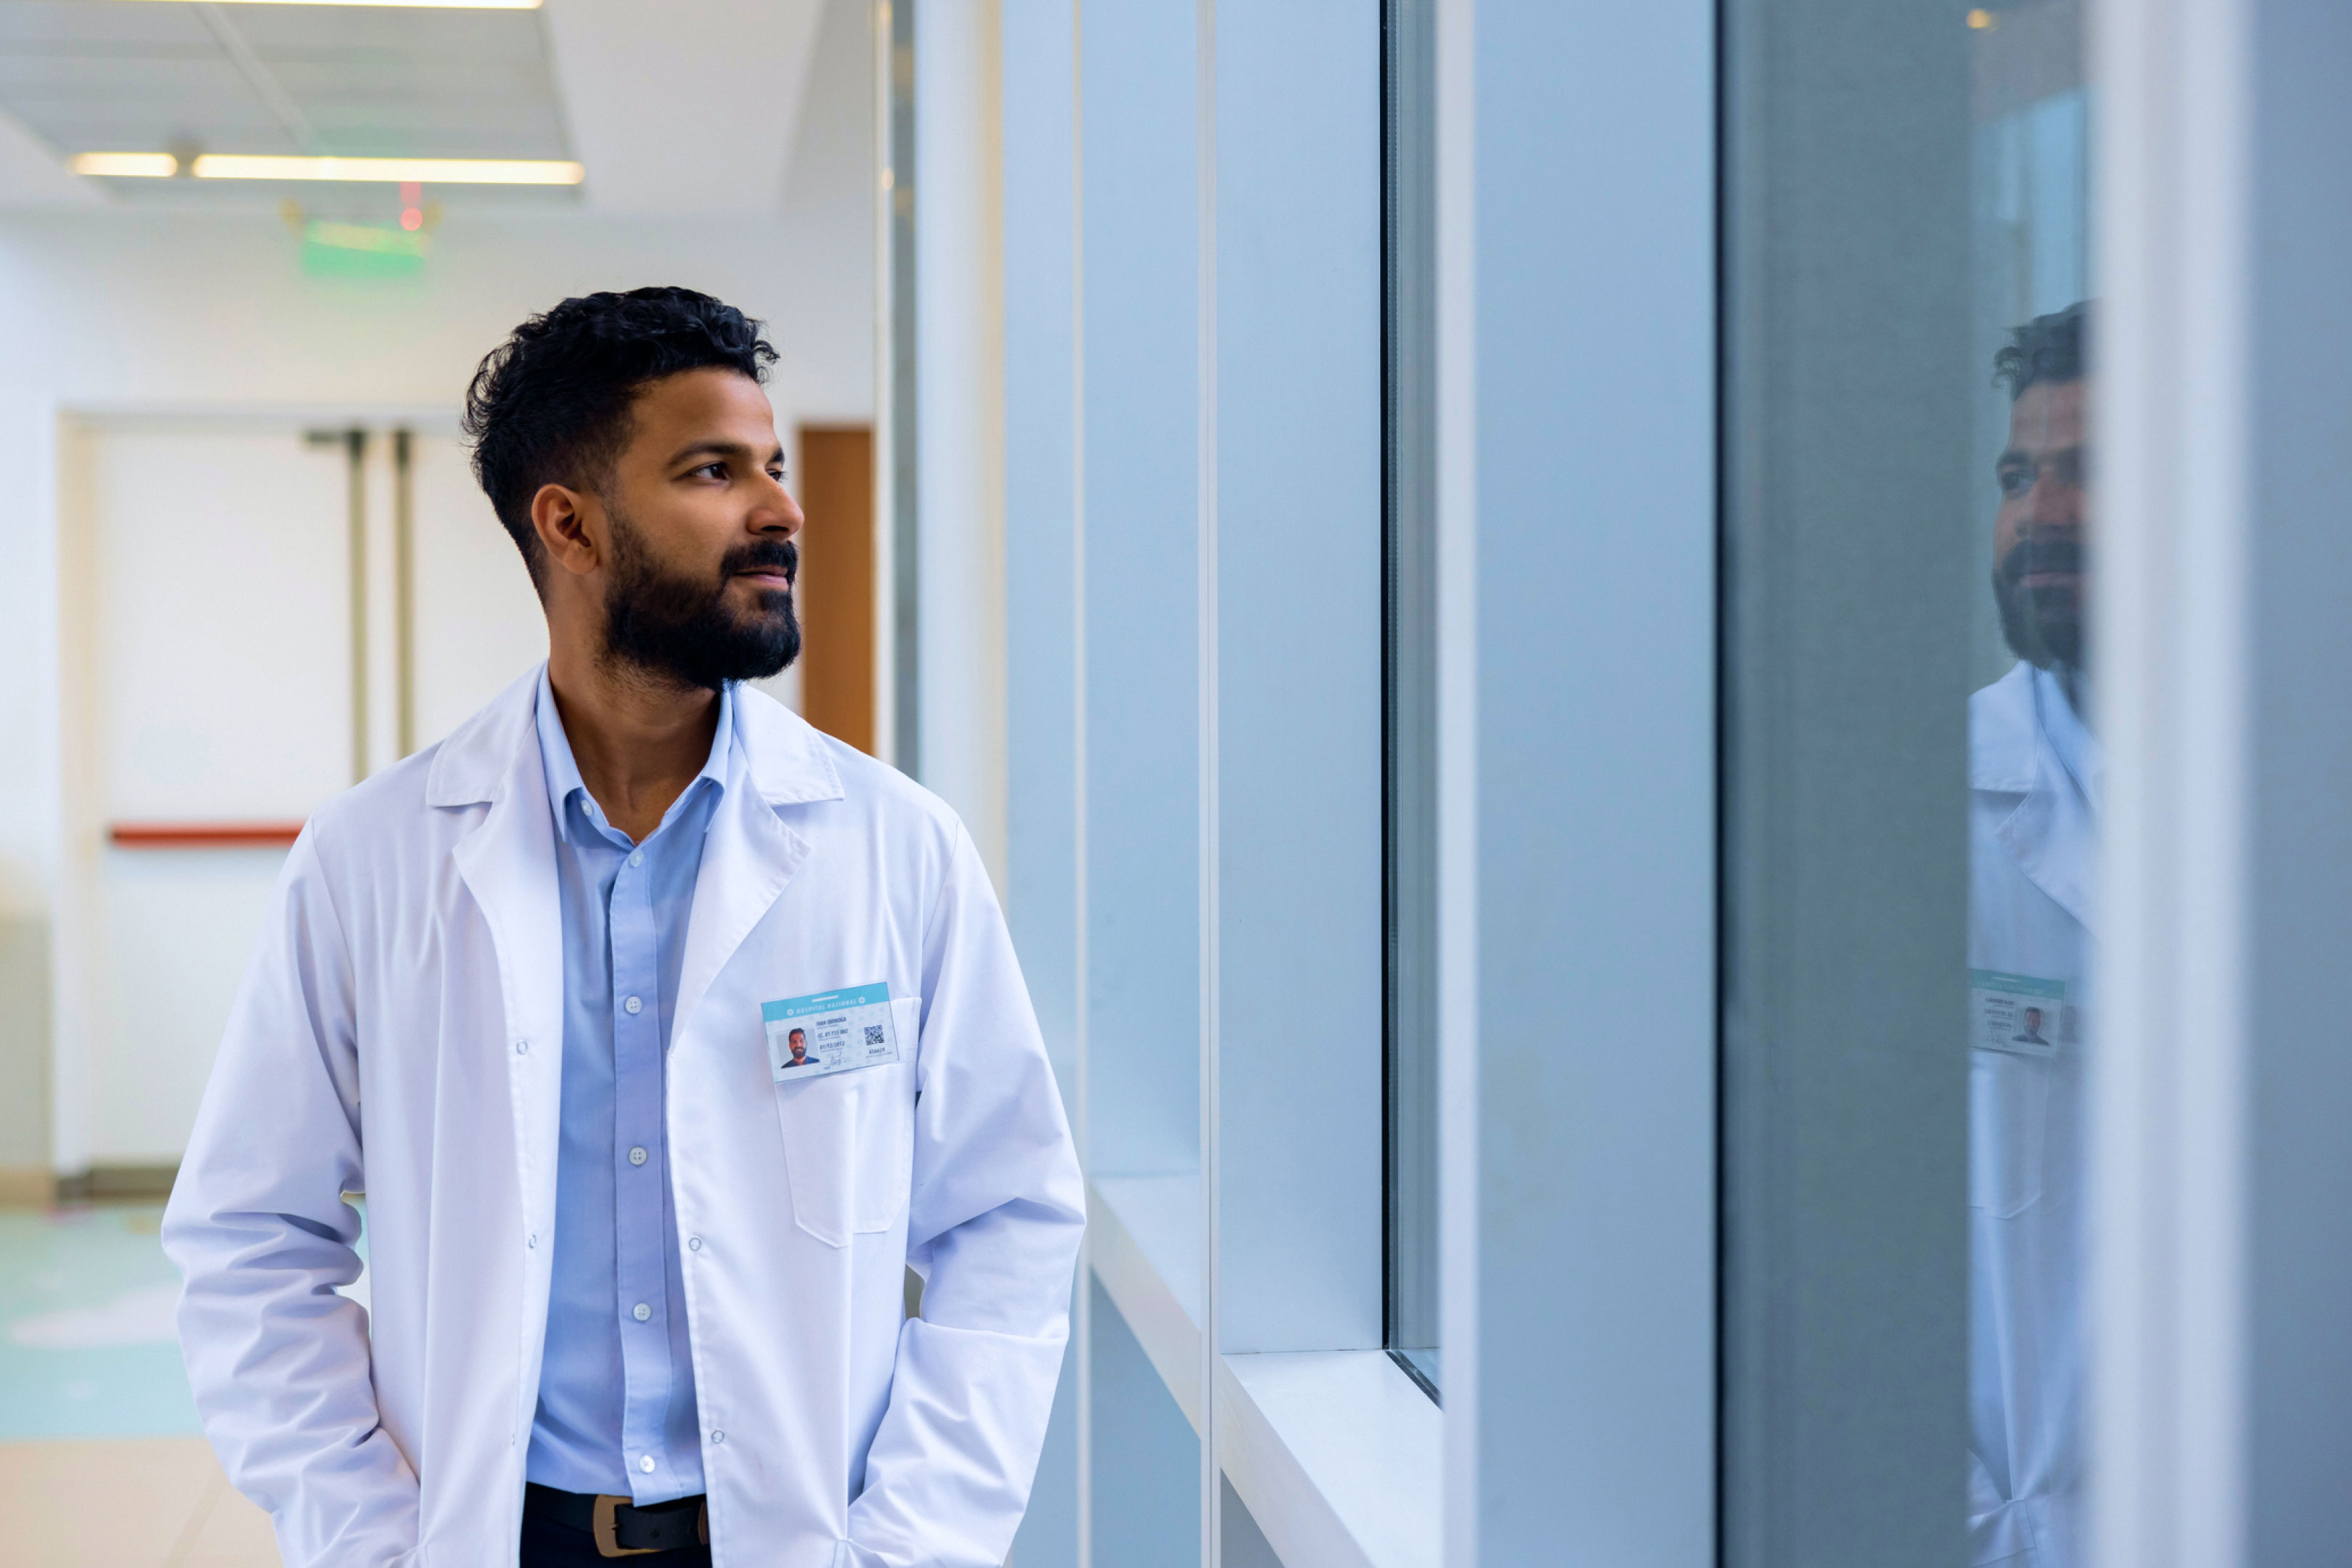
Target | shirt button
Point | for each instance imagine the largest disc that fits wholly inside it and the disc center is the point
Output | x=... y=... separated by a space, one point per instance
x=637 y=1156
x=694 y=1244
x=633 y=1005
x=641 y=1312
x=638 y=858
x=646 y=1464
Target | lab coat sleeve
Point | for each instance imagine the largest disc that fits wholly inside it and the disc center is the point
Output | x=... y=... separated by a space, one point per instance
x=993 y=1225
x=258 y=1229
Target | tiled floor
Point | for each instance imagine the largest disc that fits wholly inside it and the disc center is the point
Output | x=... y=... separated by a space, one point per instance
x=126 y=1503
x=100 y=1463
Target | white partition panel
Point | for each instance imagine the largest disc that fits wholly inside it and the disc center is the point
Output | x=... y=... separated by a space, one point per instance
x=478 y=624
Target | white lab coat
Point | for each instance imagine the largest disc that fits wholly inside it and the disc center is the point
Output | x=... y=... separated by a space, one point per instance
x=2032 y=840
x=399 y=1032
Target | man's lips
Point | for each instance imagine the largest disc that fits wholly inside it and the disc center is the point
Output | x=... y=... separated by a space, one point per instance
x=772 y=576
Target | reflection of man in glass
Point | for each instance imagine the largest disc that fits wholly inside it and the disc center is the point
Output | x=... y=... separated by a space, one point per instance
x=797 y=1043
x=2033 y=776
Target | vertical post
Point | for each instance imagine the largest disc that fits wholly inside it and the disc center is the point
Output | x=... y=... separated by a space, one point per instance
x=355 y=522
x=1579 y=1350
x=404 y=587
x=1205 y=67
x=898 y=273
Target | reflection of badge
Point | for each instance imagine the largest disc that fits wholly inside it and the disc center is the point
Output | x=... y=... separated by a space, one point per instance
x=2018 y=1013
x=834 y=1031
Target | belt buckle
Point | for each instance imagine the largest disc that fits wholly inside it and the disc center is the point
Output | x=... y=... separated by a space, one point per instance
x=600 y=1526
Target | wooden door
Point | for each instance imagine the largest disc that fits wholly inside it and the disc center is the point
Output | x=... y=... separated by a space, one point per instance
x=835 y=589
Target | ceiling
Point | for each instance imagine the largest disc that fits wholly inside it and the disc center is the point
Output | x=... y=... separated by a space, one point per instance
x=686 y=106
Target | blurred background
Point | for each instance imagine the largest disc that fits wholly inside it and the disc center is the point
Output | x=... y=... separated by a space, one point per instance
x=247 y=563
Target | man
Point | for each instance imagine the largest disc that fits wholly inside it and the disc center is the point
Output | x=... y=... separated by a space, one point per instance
x=2034 y=772
x=797 y=1043
x=512 y=989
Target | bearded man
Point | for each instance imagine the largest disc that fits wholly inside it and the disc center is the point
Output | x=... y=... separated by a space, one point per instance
x=2034 y=784
x=637 y=1286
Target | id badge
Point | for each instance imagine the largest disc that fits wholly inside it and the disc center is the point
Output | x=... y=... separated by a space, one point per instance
x=2021 y=1014
x=830 y=1032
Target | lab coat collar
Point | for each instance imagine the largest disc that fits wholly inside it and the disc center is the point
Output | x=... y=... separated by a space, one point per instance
x=785 y=760
x=2017 y=727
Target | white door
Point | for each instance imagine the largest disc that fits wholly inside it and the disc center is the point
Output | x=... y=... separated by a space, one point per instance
x=218 y=650
x=210 y=688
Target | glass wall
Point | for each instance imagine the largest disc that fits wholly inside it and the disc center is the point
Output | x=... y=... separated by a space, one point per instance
x=1912 y=782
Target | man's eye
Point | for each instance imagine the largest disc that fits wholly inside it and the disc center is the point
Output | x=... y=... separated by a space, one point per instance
x=2016 y=481
x=716 y=471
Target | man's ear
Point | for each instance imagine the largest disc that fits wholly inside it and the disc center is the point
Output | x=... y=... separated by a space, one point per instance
x=558 y=514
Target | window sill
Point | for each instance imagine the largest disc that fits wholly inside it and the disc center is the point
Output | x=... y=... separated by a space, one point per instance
x=1335 y=1452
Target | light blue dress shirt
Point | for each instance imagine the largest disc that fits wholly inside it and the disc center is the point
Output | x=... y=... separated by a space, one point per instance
x=617 y=1411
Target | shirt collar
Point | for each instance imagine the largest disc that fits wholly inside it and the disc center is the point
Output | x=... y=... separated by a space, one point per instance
x=562 y=769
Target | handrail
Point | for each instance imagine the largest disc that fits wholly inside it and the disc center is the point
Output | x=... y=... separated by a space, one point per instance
x=202 y=835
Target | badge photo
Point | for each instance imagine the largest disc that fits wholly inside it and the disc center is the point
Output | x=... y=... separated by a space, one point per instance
x=829 y=1032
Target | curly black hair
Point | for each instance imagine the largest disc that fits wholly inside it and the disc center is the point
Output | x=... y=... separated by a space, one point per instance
x=2055 y=347
x=550 y=404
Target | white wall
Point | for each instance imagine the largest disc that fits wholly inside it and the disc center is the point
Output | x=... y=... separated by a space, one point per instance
x=114 y=310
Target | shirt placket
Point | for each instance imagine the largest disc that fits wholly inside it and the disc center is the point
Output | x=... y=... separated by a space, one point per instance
x=641 y=1265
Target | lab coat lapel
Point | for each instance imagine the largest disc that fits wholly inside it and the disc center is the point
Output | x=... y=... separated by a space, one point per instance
x=507 y=863
x=2052 y=833
x=747 y=858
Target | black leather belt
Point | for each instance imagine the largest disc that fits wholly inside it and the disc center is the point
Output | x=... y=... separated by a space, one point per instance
x=622 y=1529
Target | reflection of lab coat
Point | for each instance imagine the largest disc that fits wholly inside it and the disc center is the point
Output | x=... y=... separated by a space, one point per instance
x=400 y=1031
x=2032 y=841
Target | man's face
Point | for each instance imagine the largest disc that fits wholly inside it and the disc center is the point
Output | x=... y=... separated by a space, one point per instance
x=2040 y=550
x=2033 y=1020
x=800 y=1045
x=702 y=556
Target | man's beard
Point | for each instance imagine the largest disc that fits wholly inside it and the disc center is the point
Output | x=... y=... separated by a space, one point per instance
x=2043 y=626
x=680 y=627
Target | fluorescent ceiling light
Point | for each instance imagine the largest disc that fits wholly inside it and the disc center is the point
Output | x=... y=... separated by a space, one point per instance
x=127 y=166
x=434 y=5
x=406 y=171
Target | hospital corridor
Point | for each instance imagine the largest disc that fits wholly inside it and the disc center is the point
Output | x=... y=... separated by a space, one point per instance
x=1175 y=783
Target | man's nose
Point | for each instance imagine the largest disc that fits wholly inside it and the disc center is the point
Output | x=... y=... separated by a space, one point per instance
x=778 y=513
x=2052 y=503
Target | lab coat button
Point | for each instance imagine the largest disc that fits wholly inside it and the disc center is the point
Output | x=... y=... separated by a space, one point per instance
x=718 y=1436
x=694 y=1244
x=634 y=1005
x=637 y=1156
x=531 y=1240
x=641 y=1312
x=523 y=1047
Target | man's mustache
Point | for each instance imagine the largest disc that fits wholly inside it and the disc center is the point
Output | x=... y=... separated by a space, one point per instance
x=764 y=554
x=2056 y=556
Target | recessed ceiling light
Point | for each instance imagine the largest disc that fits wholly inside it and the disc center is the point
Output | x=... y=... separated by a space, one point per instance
x=434 y=5
x=127 y=166
x=394 y=171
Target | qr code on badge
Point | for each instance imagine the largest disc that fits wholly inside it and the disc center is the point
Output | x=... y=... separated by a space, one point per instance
x=873 y=1034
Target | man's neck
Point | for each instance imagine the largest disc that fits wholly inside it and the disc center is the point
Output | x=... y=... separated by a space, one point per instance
x=640 y=740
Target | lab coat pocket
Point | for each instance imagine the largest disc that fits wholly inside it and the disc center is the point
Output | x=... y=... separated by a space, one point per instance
x=2008 y=1132
x=847 y=1149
